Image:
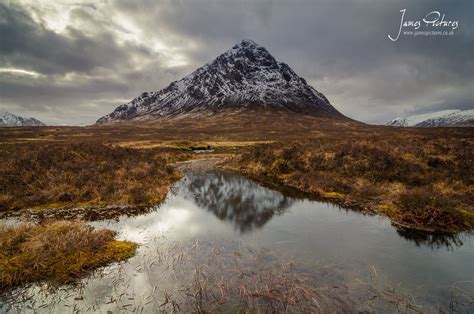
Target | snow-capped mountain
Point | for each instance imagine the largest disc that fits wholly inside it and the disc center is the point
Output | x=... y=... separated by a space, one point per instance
x=10 y=120
x=437 y=119
x=245 y=76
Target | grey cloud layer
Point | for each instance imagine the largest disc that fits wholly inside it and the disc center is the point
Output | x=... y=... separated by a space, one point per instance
x=340 y=47
x=32 y=46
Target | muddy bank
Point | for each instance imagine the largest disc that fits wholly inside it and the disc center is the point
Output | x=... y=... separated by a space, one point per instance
x=71 y=212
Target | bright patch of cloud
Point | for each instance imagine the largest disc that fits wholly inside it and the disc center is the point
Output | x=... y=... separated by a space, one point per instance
x=19 y=72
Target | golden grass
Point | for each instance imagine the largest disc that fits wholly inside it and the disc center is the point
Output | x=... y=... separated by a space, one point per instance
x=57 y=252
x=422 y=182
x=57 y=175
x=188 y=145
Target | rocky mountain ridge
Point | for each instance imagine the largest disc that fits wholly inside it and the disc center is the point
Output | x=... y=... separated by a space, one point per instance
x=8 y=119
x=246 y=76
x=442 y=118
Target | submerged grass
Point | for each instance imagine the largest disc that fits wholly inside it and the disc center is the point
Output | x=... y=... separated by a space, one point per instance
x=216 y=279
x=58 y=252
x=210 y=277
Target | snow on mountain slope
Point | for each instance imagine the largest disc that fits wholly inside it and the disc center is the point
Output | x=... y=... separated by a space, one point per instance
x=437 y=119
x=10 y=120
x=244 y=76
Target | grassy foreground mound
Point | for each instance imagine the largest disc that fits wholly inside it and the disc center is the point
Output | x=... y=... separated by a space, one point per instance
x=419 y=182
x=58 y=252
x=59 y=174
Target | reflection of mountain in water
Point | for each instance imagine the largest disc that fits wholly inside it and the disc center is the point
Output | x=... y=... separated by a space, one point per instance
x=248 y=206
x=233 y=198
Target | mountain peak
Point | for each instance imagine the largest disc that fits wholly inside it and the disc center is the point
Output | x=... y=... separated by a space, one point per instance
x=442 y=118
x=247 y=47
x=246 y=43
x=8 y=119
x=246 y=76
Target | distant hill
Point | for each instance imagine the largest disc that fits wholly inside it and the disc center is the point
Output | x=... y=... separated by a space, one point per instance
x=8 y=119
x=437 y=119
x=246 y=76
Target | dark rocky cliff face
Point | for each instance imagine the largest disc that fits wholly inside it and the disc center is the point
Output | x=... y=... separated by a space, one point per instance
x=245 y=76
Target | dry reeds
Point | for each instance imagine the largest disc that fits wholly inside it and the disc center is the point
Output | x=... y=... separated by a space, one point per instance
x=56 y=252
x=81 y=174
x=424 y=182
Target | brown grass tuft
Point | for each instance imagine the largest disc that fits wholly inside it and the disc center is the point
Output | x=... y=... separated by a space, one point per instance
x=58 y=252
x=56 y=175
x=427 y=181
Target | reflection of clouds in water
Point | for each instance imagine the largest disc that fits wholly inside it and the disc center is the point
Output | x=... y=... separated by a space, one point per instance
x=155 y=225
x=178 y=218
x=176 y=215
x=233 y=198
x=214 y=209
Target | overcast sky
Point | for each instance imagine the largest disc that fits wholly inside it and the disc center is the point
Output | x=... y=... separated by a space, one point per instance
x=70 y=62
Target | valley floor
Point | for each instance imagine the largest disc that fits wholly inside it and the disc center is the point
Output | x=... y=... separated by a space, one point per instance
x=419 y=178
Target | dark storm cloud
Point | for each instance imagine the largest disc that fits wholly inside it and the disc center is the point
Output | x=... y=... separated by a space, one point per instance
x=82 y=74
x=114 y=50
x=32 y=46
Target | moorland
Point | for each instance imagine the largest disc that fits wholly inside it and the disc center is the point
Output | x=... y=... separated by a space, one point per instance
x=420 y=178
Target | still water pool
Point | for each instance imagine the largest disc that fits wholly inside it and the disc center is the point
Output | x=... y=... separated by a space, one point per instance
x=211 y=209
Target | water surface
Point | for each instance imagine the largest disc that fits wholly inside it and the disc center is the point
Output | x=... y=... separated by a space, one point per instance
x=220 y=209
